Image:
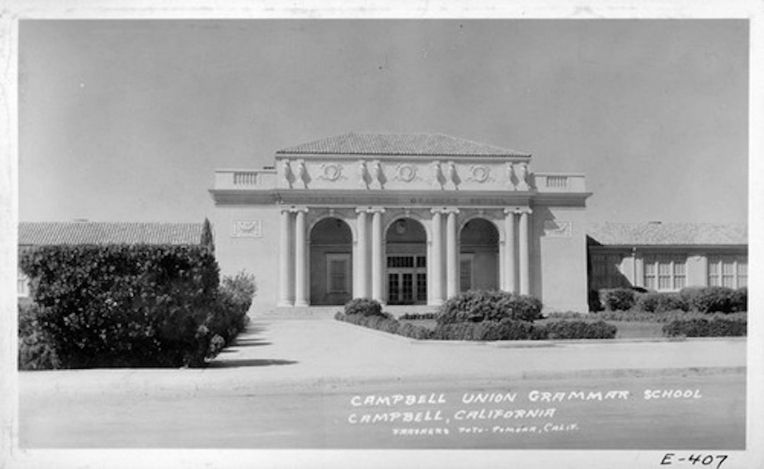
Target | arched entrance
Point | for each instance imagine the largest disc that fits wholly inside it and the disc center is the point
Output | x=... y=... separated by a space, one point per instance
x=406 y=263
x=479 y=256
x=331 y=262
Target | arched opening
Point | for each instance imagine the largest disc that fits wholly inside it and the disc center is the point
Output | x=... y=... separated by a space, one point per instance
x=479 y=256
x=406 y=263
x=331 y=262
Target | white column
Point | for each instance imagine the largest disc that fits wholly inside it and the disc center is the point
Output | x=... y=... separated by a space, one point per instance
x=525 y=275
x=376 y=254
x=360 y=288
x=510 y=263
x=300 y=260
x=284 y=259
x=436 y=260
x=452 y=255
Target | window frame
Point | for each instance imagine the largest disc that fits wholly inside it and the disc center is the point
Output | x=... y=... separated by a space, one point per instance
x=719 y=261
x=652 y=281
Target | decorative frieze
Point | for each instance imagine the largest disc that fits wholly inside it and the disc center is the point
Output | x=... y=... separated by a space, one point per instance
x=247 y=229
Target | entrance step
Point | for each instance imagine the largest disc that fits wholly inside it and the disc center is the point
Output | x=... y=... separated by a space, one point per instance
x=327 y=312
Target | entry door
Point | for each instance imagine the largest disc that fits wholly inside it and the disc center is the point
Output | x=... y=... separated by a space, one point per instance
x=406 y=280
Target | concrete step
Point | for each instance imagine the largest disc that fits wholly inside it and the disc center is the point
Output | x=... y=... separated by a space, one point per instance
x=327 y=312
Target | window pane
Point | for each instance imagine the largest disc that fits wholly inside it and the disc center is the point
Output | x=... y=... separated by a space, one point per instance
x=679 y=282
x=728 y=281
x=679 y=268
x=664 y=268
x=649 y=268
x=728 y=268
x=714 y=281
x=742 y=268
x=650 y=283
x=664 y=283
x=742 y=281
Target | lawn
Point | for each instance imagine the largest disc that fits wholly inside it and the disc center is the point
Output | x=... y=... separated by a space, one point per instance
x=626 y=329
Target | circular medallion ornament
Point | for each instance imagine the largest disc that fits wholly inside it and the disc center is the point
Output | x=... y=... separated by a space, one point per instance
x=332 y=171
x=480 y=173
x=400 y=227
x=406 y=172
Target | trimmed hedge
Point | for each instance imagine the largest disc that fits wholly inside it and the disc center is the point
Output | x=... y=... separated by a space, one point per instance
x=125 y=305
x=481 y=305
x=617 y=299
x=416 y=316
x=386 y=323
x=701 y=327
x=654 y=302
x=364 y=307
x=506 y=329
x=580 y=330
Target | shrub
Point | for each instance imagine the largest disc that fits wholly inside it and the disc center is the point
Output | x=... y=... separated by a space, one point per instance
x=35 y=349
x=506 y=329
x=714 y=299
x=580 y=330
x=364 y=307
x=702 y=327
x=415 y=316
x=480 y=305
x=593 y=300
x=124 y=305
x=660 y=302
x=618 y=299
x=230 y=315
x=740 y=300
x=668 y=316
x=414 y=331
x=386 y=323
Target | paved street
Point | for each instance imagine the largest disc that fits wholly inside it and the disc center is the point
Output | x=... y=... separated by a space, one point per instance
x=297 y=384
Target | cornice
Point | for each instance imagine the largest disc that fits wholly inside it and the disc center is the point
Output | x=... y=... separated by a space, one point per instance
x=395 y=198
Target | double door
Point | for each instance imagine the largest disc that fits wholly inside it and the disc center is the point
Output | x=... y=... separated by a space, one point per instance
x=406 y=280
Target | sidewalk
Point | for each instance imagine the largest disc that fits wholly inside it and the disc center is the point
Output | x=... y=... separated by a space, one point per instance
x=310 y=353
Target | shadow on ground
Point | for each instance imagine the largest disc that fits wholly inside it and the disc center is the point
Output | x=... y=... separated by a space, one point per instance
x=227 y=357
x=233 y=363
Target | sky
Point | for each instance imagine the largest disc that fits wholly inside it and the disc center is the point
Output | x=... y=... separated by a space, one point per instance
x=128 y=120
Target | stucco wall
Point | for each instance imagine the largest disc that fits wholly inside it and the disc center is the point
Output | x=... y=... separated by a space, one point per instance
x=558 y=257
x=255 y=255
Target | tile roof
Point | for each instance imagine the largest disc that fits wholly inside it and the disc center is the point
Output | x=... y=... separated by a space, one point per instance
x=668 y=233
x=41 y=233
x=419 y=144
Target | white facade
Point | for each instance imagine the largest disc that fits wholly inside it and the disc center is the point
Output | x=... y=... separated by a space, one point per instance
x=410 y=219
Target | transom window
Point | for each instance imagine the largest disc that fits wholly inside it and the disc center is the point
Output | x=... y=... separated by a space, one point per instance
x=728 y=271
x=665 y=272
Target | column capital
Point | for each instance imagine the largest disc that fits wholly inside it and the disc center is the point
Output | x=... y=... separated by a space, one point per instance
x=454 y=210
x=299 y=209
x=362 y=209
x=376 y=209
x=437 y=210
x=517 y=210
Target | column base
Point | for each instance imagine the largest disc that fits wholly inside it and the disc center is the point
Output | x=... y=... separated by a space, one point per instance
x=284 y=304
x=435 y=303
x=301 y=303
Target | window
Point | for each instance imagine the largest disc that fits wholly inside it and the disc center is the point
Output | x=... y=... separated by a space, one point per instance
x=728 y=271
x=665 y=273
x=465 y=272
x=338 y=273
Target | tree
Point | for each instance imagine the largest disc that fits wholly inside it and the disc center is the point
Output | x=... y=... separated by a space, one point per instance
x=207 y=239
